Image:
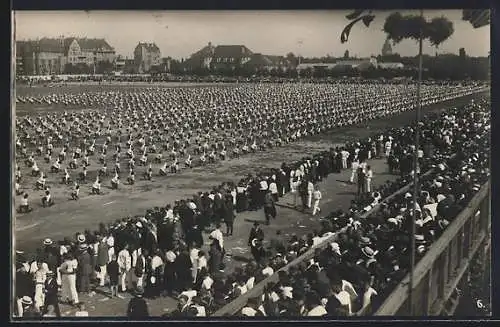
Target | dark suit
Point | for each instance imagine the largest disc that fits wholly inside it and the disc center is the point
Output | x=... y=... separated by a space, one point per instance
x=257 y=233
x=84 y=271
x=137 y=308
x=183 y=269
x=229 y=216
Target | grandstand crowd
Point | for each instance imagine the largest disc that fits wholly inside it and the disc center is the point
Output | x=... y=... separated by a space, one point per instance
x=160 y=253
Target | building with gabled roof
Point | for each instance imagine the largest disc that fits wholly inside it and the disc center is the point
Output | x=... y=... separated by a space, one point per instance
x=146 y=56
x=230 y=56
x=218 y=57
x=47 y=56
x=88 y=51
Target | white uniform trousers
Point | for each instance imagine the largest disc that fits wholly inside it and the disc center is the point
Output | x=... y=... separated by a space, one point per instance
x=316 y=207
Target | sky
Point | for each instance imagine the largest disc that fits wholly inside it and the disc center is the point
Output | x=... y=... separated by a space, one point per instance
x=178 y=34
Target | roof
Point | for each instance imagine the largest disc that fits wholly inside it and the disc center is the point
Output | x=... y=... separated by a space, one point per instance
x=62 y=45
x=152 y=47
x=94 y=44
x=49 y=45
x=196 y=58
x=231 y=51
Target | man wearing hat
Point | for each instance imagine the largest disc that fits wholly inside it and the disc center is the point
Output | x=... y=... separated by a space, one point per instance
x=125 y=264
x=24 y=286
x=85 y=268
x=269 y=207
x=137 y=307
x=51 y=293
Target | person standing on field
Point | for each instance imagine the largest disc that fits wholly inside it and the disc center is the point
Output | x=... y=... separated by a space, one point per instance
x=102 y=260
x=354 y=166
x=310 y=190
x=125 y=264
x=113 y=271
x=316 y=197
x=269 y=207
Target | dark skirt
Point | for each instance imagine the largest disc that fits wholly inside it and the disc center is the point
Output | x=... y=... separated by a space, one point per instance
x=241 y=202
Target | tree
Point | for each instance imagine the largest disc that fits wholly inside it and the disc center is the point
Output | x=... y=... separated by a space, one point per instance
x=104 y=67
x=477 y=17
x=291 y=58
x=399 y=27
x=346 y=54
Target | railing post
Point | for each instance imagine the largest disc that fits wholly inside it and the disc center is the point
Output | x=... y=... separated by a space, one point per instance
x=485 y=212
x=460 y=246
x=443 y=272
x=467 y=238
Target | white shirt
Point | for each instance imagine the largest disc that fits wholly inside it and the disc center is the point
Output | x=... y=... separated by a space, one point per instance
x=310 y=187
x=347 y=286
x=263 y=185
x=201 y=311
x=317 y=195
x=243 y=289
x=124 y=260
x=250 y=283
x=273 y=188
x=268 y=271
x=190 y=294
x=193 y=254
x=345 y=300
x=170 y=214
x=368 y=295
x=369 y=174
x=207 y=283
x=156 y=262
x=111 y=241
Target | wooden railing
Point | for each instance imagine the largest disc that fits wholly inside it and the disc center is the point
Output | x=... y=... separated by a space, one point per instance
x=237 y=304
x=438 y=273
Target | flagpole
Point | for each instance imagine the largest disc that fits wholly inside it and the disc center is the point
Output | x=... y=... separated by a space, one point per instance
x=416 y=170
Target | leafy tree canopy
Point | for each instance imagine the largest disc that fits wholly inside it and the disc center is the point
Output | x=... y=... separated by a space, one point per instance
x=399 y=27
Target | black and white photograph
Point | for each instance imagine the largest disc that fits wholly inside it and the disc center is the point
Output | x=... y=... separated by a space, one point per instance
x=250 y=164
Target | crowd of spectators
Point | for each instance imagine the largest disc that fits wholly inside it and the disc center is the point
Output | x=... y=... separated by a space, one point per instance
x=147 y=78
x=161 y=254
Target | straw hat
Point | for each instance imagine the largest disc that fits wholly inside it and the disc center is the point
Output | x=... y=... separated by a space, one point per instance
x=48 y=241
x=139 y=291
x=26 y=300
x=419 y=239
x=369 y=252
x=365 y=240
x=81 y=238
